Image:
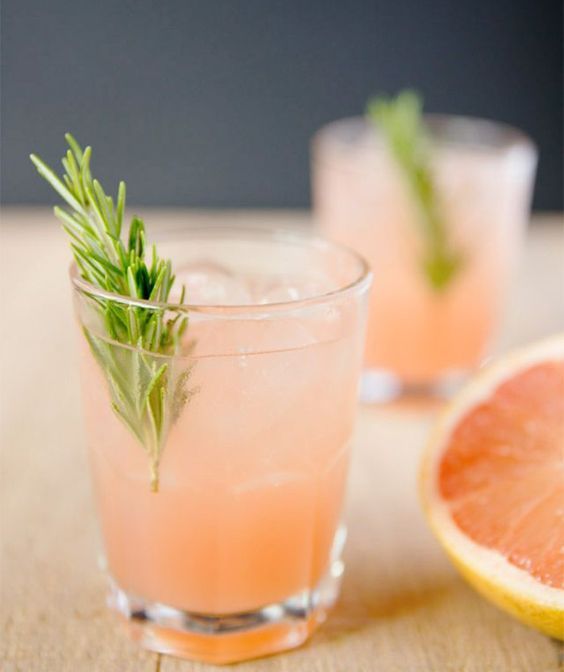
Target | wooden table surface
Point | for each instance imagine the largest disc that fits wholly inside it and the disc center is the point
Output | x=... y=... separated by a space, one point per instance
x=403 y=607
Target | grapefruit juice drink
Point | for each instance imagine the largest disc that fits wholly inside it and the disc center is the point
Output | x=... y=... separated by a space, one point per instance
x=237 y=553
x=419 y=335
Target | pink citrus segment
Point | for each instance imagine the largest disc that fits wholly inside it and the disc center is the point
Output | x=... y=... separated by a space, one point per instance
x=502 y=472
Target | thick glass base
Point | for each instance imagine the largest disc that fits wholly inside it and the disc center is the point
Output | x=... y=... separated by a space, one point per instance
x=378 y=386
x=228 y=638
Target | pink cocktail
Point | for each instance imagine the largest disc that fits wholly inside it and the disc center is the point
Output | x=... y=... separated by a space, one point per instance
x=237 y=553
x=420 y=337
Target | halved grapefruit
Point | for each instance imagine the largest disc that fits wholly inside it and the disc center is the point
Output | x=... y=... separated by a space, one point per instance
x=492 y=484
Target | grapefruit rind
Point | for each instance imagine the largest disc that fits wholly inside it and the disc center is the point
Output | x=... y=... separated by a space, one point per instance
x=511 y=588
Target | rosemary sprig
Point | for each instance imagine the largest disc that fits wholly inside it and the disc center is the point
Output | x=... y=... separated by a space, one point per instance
x=146 y=394
x=400 y=121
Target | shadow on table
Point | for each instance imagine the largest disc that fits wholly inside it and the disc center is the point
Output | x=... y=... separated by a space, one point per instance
x=357 y=610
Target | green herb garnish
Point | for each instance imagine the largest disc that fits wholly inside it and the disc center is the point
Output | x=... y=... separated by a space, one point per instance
x=147 y=395
x=400 y=121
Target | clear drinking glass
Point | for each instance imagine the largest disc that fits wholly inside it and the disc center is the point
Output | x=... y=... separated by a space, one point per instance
x=237 y=554
x=420 y=339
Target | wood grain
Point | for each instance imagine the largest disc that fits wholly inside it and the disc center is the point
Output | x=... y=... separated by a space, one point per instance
x=403 y=607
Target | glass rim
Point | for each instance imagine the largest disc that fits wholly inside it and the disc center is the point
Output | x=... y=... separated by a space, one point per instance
x=508 y=136
x=359 y=283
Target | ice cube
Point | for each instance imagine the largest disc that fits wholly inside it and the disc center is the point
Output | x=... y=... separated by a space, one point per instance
x=285 y=289
x=209 y=283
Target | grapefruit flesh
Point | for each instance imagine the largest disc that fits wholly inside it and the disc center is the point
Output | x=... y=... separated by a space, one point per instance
x=503 y=472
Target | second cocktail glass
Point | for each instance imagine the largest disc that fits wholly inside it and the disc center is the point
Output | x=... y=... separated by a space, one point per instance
x=421 y=337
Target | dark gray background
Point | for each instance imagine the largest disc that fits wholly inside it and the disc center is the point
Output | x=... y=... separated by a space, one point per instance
x=213 y=102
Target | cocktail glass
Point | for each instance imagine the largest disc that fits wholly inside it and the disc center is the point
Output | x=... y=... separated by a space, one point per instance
x=422 y=339
x=238 y=552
